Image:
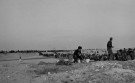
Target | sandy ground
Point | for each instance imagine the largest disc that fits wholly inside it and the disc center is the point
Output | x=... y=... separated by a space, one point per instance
x=14 y=71
x=29 y=71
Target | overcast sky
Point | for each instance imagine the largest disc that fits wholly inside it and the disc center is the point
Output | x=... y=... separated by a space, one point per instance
x=65 y=24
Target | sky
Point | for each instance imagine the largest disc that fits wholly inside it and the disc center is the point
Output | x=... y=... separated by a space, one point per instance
x=66 y=24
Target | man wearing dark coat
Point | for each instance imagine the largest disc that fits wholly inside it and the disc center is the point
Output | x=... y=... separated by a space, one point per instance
x=77 y=54
x=109 y=49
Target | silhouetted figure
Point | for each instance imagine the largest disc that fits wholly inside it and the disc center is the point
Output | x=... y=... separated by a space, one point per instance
x=77 y=54
x=20 y=59
x=109 y=49
x=124 y=54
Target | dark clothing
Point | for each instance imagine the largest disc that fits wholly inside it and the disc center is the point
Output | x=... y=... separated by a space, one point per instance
x=109 y=44
x=109 y=49
x=77 y=55
x=77 y=52
x=110 y=54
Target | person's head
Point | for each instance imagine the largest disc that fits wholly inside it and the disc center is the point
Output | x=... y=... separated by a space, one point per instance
x=111 y=38
x=79 y=47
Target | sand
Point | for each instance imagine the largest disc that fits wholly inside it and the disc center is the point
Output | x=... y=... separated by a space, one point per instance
x=29 y=71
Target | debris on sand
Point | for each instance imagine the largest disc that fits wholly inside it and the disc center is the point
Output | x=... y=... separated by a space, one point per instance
x=5 y=65
x=126 y=75
x=104 y=66
x=97 y=72
x=8 y=76
x=63 y=62
x=42 y=63
x=49 y=73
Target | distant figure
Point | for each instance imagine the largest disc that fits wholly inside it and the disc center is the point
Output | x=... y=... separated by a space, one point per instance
x=77 y=54
x=109 y=49
x=20 y=59
x=124 y=54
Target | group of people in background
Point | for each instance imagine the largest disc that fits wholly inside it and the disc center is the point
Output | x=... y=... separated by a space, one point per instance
x=121 y=55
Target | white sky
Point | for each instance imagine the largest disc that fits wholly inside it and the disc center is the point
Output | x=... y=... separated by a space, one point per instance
x=65 y=24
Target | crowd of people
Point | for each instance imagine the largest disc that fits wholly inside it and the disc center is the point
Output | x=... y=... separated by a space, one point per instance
x=125 y=54
x=121 y=55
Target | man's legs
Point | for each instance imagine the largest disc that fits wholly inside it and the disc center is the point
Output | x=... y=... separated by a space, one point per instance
x=81 y=58
x=110 y=54
x=75 y=59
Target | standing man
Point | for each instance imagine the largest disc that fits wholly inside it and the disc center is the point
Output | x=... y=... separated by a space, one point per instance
x=77 y=54
x=109 y=49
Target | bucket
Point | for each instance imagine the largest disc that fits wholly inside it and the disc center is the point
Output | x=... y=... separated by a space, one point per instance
x=79 y=61
x=87 y=60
